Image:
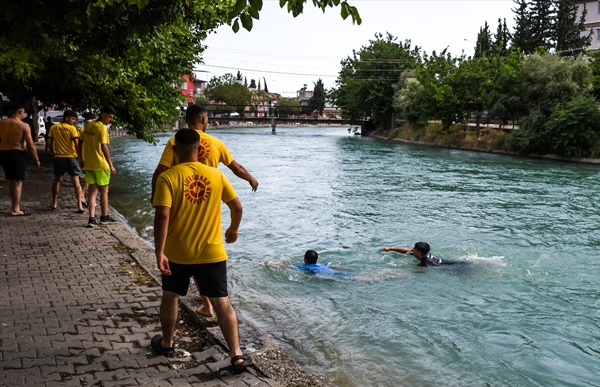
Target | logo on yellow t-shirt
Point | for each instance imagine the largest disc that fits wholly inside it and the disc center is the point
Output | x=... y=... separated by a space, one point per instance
x=203 y=151
x=196 y=189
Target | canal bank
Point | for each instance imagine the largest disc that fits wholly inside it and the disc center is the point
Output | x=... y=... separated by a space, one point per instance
x=488 y=142
x=77 y=309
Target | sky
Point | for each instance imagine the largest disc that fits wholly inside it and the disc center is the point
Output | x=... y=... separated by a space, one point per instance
x=291 y=52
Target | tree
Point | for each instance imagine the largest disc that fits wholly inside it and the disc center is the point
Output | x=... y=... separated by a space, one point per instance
x=265 y=83
x=501 y=38
x=544 y=14
x=364 y=86
x=522 y=37
x=317 y=101
x=227 y=90
x=288 y=107
x=574 y=130
x=568 y=31
x=484 y=41
x=128 y=53
x=549 y=83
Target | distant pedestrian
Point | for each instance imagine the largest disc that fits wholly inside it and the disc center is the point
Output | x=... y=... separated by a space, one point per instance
x=29 y=121
x=14 y=135
x=95 y=159
x=49 y=124
x=63 y=140
x=188 y=239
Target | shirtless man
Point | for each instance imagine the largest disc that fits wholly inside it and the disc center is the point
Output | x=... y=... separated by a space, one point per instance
x=14 y=134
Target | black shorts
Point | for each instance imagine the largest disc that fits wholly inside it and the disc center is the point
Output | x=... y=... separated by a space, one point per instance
x=211 y=278
x=64 y=165
x=13 y=163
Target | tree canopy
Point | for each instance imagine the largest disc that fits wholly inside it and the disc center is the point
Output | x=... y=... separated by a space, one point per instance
x=127 y=53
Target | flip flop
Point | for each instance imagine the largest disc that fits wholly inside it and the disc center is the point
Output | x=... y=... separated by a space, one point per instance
x=25 y=213
x=156 y=344
x=80 y=211
x=52 y=208
x=246 y=362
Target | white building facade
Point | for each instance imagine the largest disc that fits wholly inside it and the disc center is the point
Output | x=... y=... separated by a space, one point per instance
x=592 y=21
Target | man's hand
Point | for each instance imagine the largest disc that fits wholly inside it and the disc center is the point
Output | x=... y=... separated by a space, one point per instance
x=384 y=249
x=113 y=171
x=163 y=264
x=231 y=235
x=254 y=184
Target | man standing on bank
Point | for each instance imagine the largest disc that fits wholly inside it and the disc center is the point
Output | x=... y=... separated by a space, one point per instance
x=188 y=239
x=63 y=141
x=95 y=159
x=14 y=133
x=211 y=152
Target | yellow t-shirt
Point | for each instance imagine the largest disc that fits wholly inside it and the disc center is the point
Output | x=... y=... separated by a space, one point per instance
x=94 y=135
x=194 y=192
x=210 y=152
x=63 y=135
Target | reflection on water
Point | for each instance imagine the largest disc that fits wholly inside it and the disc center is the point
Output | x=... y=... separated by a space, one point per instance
x=524 y=313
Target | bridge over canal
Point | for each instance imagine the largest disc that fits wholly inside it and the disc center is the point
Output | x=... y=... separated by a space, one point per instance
x=364 y=126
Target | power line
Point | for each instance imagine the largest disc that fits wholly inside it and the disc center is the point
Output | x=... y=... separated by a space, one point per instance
x=270 y=71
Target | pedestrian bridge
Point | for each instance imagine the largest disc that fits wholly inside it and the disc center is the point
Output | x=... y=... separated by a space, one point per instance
x=365 y=126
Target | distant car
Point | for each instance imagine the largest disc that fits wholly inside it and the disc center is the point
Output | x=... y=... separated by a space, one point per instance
x=41 y=126
x=234 y=114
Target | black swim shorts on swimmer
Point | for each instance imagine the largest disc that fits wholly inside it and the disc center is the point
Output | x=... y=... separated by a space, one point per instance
x=211 y=278
x=64 y=165
x=13 y=163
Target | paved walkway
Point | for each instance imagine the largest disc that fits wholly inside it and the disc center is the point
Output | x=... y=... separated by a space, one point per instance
x=72 y=315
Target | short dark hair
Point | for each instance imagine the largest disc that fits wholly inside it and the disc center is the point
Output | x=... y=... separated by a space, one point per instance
x=70 y=113
x=187 y=137
x=194 y=112
x=89 y=116
x=108 y=109
x=311 y=257
x=13 y=108
x=423 y=247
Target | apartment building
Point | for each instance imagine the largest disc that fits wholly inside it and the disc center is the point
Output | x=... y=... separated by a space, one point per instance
x=592 y=20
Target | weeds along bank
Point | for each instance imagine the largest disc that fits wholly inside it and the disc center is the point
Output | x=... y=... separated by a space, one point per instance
x=458 y=136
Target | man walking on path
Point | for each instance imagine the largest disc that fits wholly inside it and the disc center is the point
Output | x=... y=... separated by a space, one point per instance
x=211 y=152
x=14 y=133
x=63 y=141
x=95 y=159
x=189 y=242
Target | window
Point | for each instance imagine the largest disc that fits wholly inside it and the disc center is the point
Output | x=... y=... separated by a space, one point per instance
x=598 y=7
x=597 y=33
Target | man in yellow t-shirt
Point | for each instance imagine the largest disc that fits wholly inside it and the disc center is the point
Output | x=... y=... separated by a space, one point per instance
x=63 y=141
x=95 y=159
x=189 y=243
x=88 y=117
x=211 y=152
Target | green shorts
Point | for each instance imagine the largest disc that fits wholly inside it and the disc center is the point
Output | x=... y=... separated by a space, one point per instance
x=100 y=178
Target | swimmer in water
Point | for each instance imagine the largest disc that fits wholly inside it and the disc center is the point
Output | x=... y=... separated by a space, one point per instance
x=420 y=252
x=310 y=265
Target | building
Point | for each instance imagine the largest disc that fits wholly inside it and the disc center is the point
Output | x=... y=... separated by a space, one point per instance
x=592 y=20
x=191 y=87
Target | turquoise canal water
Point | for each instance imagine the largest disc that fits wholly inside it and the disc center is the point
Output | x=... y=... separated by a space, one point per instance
x=523 y=311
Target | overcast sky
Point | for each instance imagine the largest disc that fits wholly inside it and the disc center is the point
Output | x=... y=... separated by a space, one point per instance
x=290 y=52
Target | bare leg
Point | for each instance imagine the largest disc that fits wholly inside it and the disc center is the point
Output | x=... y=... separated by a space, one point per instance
x=168 y=317
x=55 y=190
x=103 y=199
x=16 y=188
x=229 y=324
x=92 y=199
x=206 y=309
x=78 y=191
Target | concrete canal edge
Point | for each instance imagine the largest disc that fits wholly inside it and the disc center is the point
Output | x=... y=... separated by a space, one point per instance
x=268 y=356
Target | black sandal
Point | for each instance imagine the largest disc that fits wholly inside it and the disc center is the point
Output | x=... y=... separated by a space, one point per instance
x=246 y=361
x=156 y=344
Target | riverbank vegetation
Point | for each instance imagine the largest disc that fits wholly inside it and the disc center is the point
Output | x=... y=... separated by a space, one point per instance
x=539 y=80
